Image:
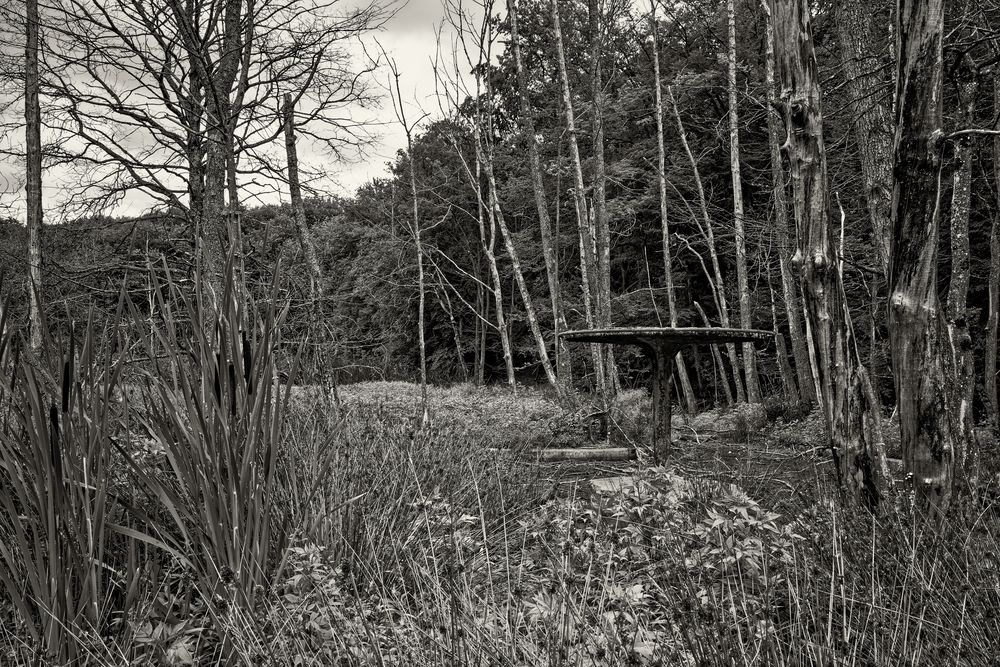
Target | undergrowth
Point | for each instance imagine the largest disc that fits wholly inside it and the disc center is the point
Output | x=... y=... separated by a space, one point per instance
x=165 y=500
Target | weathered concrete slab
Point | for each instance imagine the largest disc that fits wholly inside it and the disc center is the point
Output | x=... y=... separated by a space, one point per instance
x=612 y=485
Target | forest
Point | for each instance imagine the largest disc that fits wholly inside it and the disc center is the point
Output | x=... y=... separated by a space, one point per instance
x=265 y=421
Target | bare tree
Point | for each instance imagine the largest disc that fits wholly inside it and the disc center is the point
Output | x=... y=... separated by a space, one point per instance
x=848 y=404
x=33 y=171
x=668 y=270
x=993 y=321
x=585 y=222
x=174 y=100
x=563 y=361
x=602 y=228
x=749 y=356
x=399 y=107
x=707 y=230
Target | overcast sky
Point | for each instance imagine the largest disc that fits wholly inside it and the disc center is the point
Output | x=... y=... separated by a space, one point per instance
x=409 y=37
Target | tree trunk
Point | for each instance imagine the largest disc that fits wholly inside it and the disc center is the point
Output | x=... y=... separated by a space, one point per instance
x=588 y=249
x=668 y=271
x=298 y=210
x=717 y=356
x=489 y=244
x=481 y=342
x=787 y=376
x=215 y=233
x=522 y=286
x=541 y=204
x=33 y=173
x=456 y=330
x=800 y=350
x=993 y=324
x=857 y=32
x=603 y=230
x=749 y=356
x=421 y=287
x=958 y=290
x=845 y=406
x=922 y=355
x=709 y=233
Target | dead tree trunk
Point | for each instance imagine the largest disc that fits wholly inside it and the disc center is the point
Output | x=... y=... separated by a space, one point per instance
x=668 y=271
x=789 y=292
x=709 y=233
x=33 y=172
x=845 y=407
x=923 y=364
x=563 y=361
x=588 y=248
x=749 y=356
x=298 y=210
x=993 y=324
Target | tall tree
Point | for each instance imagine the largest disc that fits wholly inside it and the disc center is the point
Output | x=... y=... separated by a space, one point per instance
x=668 y=267
x=707 y=230
x=743 y=290
x=217 y=233
x=932 y=433
x=849 y=409
x=33 y=170
x=961 y=203
x=563 y=360
x=600 y=208
x=585 y=224
x=399 y=108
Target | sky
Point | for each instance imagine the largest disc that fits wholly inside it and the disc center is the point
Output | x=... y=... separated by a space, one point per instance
x=409 y=37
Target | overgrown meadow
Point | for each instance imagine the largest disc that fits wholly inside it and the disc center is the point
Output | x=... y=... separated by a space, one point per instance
x=169 y=498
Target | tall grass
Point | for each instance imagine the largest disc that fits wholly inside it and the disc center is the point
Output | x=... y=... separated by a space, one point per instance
x=59 y=562
x=210 y=402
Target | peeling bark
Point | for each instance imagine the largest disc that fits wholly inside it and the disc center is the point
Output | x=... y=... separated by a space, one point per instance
x=847 y=412
x=789 y=293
